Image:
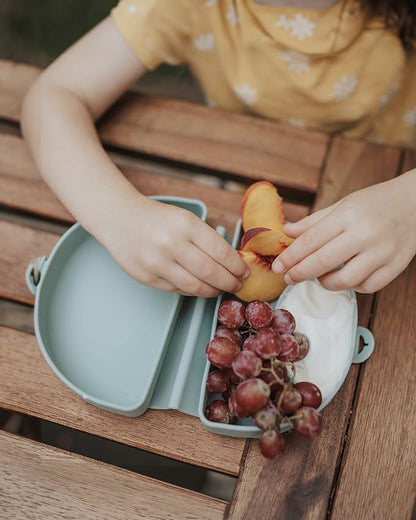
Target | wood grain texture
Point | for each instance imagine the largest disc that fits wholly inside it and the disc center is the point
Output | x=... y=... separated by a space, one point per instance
x=303 y=477
x=409 y=161
x=28 y=385
x=380 y=463
x=19 y=246
x=246 y=146
x=21 y=187
x=38 y=482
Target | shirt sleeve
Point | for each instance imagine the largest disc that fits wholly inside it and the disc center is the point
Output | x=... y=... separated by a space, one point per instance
x=157 y=30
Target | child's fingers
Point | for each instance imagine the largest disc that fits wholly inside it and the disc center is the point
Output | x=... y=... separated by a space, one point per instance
x=306 y=244
x=325 y=259
x=382 y=276
x=352 y=274
x=295 y=229
x=221 y=252
x=187 y=283
x=163 y=285
x=202 y=266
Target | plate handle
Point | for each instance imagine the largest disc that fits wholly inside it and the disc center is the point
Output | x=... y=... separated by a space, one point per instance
x=367 y=350
x=34 y=273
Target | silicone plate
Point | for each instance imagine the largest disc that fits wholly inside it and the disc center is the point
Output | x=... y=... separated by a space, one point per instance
x=104 y=334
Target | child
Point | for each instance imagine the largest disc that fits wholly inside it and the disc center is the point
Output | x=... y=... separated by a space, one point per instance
x=335 y=65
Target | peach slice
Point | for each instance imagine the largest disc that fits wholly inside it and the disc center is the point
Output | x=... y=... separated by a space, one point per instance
x=265 y=241
x=262 y=207
x=262 y=219
x=248 y=235
x=263 y=283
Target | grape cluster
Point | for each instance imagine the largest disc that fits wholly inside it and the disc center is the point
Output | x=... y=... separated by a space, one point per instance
x=253 y=355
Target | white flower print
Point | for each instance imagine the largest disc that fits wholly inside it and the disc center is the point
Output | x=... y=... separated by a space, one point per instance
x=246 y=93
x=299 y=123
x=132 y=8
x=283 y=22
x=409 y=117
x=299 y=26
x=210 y=3
x=232 y=15
x=345 y=87
x=385 y=98
x=204 y=42
x=297 y=61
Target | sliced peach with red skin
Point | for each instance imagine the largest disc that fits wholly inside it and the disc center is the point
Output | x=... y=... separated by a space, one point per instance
x=262 y=220
x=249 y=234
x=263 y=283
x=265 y=241
x=262 y=207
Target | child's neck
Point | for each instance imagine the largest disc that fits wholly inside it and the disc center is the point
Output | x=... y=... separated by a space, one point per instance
x=312 y=4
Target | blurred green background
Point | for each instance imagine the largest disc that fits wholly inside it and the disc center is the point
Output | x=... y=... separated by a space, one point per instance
x=37 y=31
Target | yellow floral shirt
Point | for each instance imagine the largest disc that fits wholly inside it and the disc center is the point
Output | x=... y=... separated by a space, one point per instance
x=326 y=69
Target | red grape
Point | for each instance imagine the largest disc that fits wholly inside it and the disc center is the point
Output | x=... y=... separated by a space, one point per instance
x=235 y=408
x=259 y=314
x=226 y=332
x=303 y=343
x=234 y=379
x=246 y=364
x=267 y=343
x=252 y=394
x=274 y=386
x=230 y=389
x=217 y=381
x=280 y=370
x=221 y=351
x=250 y=343
x=271 y=444
x=291 y=401
x=311 y=395
x=289 y=348
x=231 y=313
x=283 y=321
x=265 y=419
x=218 y=411
x=308 y=423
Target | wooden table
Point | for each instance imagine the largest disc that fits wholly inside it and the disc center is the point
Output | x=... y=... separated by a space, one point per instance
x=362 y=466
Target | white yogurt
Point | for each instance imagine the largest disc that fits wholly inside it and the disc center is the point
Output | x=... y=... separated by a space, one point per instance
x=326 y=318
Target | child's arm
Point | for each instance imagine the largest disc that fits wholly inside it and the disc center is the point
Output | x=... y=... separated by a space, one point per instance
x=160 y=245
x=369 y=236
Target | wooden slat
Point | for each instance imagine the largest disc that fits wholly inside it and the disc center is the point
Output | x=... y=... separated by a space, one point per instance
x=380 y=464
x=303 y=477
x=38 y=482
x=29 y=386
x=250 y=147
x=409 y=161
x=21 y=187
x=19 y=246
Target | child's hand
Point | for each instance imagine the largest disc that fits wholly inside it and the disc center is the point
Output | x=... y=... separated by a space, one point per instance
x=171 y=249
x=369 y=236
